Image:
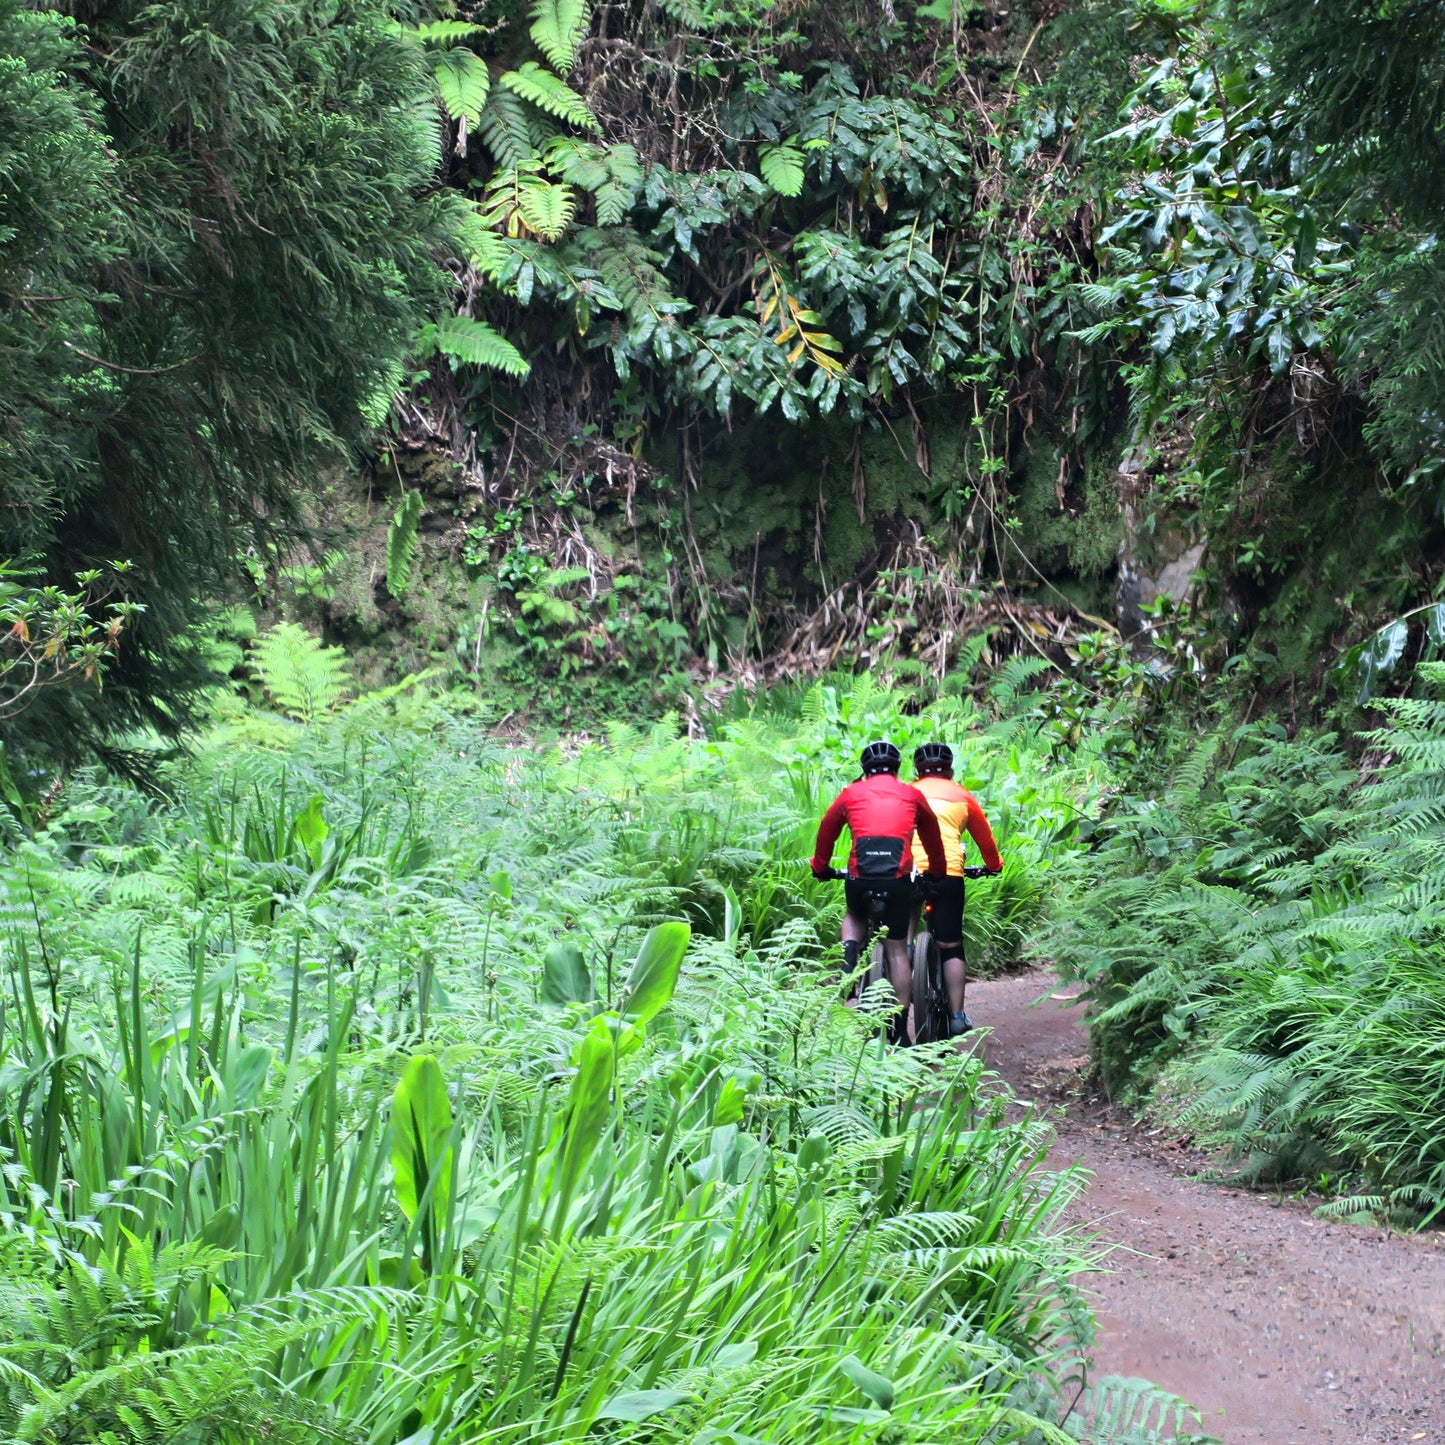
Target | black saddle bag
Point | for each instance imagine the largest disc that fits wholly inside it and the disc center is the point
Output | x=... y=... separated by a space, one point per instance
x=878 y=858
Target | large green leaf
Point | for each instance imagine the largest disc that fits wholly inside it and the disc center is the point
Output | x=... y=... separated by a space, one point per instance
x=589 y=1109
x=654 y=975
x=310 y=829
x=421 y=1128
x=1378 y=657
x=875 y=1386
x=637 y=1405
x=246 y=1077
x=566 y=978
x=1435 y=623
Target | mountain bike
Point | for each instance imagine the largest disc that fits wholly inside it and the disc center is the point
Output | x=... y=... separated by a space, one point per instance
x=928 y=990
x=931 y=1014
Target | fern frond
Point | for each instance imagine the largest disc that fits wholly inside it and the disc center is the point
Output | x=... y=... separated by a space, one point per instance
x=476 y=343
x=305 y=679
x=546 y=209
x=557 y=28
x=1130 y=1412
x=629 y=269
x=613 y=174
x=444 y=32
x=506 y=130
x=543 y=89
x=463 y=82
x=1010 y=680
x=782 y=167
x=401 y=544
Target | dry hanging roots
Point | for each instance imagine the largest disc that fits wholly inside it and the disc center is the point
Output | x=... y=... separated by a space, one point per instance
x=917 y=607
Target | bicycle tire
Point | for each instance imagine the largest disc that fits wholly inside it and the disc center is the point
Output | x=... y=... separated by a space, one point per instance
x=877 y=968
x=930 y=1008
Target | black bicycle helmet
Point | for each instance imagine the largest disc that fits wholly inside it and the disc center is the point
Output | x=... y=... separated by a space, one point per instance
x=932 y=758
x=880 y=758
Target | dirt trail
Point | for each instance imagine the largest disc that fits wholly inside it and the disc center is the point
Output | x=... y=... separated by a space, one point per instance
x=1281 y=1327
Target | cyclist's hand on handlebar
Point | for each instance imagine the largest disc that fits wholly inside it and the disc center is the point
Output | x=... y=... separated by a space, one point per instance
x=981 y=872
x=934 y=877
x=822 y=874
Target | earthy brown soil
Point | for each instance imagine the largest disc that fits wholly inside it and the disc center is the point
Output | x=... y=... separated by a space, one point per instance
x=1284 y=1329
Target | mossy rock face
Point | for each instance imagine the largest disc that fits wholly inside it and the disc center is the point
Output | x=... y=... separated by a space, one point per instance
x=780 y=516
x=1073 y=537
x=779 y=498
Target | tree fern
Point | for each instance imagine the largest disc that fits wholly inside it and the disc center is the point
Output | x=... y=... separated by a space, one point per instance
x=557 y=27
x=304 y=679
x=548 y=93
x=506 y=130
x=463 y=82
x=401 y=544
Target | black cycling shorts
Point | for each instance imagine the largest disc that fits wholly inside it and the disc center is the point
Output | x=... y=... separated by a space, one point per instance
x=945 y=920
x=885 y=902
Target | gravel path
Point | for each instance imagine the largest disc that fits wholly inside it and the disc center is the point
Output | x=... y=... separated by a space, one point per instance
x=1281 y=1327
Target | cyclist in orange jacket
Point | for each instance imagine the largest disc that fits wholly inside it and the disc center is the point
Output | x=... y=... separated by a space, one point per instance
x=957 y=812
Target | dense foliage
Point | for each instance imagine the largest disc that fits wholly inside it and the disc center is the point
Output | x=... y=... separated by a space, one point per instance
x=1260 y=938
x=398 y=1083
x=809 y=311
x=218 y=238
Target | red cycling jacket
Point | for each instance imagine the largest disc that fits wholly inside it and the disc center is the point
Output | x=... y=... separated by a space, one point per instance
x=879 y=811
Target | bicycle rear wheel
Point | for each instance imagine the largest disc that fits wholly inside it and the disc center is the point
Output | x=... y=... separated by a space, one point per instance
x=877 y=968
x=930 y=1003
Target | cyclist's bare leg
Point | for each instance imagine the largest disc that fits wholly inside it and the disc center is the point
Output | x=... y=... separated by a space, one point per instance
x=895 y=952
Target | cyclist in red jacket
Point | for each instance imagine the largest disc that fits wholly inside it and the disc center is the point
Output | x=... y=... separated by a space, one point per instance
x=882 y=813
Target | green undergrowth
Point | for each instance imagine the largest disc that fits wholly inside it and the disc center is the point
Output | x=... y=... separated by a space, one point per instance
x=1261 y=940
x=396 y=1084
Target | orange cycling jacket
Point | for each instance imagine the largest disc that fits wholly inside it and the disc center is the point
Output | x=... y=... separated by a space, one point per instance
x=957 y=811
x=886 y=816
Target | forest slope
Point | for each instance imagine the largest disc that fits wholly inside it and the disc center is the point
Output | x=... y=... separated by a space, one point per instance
x=487 y=1092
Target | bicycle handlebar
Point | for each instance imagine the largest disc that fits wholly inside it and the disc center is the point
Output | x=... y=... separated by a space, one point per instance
x=841 y=874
